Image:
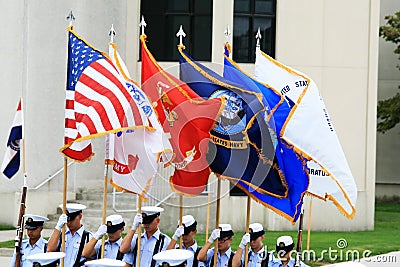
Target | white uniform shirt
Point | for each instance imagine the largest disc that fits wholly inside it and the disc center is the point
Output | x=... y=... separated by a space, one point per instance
x=147 y=246
x=27 y=250
x=72 y=244
x=193 y=249
x=110 y=249
x=222 y=260
x=256 y=258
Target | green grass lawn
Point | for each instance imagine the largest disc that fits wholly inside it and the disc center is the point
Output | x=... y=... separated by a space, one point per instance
x=385 y=237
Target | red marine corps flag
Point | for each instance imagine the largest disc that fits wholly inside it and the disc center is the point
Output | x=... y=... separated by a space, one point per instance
x=97 y=99
x=186 y=117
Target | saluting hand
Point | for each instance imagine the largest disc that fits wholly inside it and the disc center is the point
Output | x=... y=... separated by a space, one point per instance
x=178 y=232
x=214 y=235
x=100 y=232
x=61 y=221
x=136 y=221
x=245 y=241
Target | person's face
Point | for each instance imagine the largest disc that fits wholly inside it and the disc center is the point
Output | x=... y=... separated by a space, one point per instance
x=75 y=224
x=153 y=226
x=35 y=233
x=224 y=243
x=113 y=237
x=257 y=244
x=188 y=238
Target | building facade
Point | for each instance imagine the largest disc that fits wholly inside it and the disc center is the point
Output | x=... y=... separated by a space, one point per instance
x=336 y=46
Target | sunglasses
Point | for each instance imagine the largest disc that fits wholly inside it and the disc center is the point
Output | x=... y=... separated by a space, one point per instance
x=223 y=240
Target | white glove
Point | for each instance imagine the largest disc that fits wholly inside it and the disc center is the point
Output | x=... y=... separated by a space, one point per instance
x=178 y=232
x=100 y=232
x=214 y=235
x=61 y=221
x=136 y=221
x=245 y=241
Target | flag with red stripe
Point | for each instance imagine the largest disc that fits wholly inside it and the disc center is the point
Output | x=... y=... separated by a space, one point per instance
x=12 y=157
x=97 y=99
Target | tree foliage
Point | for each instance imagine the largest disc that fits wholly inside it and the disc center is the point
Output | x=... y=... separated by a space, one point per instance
x=389 y=109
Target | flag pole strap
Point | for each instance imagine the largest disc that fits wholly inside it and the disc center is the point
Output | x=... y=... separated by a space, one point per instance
x=139 y=231
x=180 y=216
x=309 y=225
x=217 y=220
x=246 y=250
x=103 y=219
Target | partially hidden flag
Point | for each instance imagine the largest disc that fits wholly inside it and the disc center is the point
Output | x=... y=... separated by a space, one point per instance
x=12 y=157
x=242 y=147
x=309 y=129
x=138 y=152
x=292 y=164
x=97 y=99
x=186 y=117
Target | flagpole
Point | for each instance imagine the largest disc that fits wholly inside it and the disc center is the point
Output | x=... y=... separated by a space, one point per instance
x=217 y=220
x=139 y=231
x=20 y=224
x=109 y=157
x=309 y=225
x=208 y=213
x=180 y=216
x=107 y=162
x=64 y=208
x=70 y=17
x=246 y=250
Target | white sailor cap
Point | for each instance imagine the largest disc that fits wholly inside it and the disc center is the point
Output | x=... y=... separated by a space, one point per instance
x=48 y=259
x=73 y=210
x=34 y=221
x=105 y=263
x=173 y=257
x=114 y=222
x=256 y=230
x=284 y=243
x=73 y=207
x=189 y=224
x=226 y=230
x=284 y=240
x=149 y=213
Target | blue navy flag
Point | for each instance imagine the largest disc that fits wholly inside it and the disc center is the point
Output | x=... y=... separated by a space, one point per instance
x=242 y=148
x=12 y=158
x=290 y=163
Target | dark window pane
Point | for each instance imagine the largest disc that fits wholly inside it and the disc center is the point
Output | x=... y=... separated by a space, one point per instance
x=242 y=6
x=174 y=23
x=164 y=17
x=264 y=7
x=267 y=30
x=248 y=16
x=241 y=26
x=201 y=38
x=152 y=7
x=203 y=7
x=176 y=5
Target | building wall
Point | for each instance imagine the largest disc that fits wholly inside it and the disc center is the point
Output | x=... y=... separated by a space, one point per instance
x=336 y=46
x=388 y=144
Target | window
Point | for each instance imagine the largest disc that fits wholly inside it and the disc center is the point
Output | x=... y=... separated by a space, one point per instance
x=164 y=17
x=249 y=15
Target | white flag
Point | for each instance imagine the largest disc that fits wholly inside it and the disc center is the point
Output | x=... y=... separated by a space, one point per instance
x=137 y=153
x=309 y=129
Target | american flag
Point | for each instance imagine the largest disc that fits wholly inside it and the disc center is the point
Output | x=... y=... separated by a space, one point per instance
x=97 y=99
